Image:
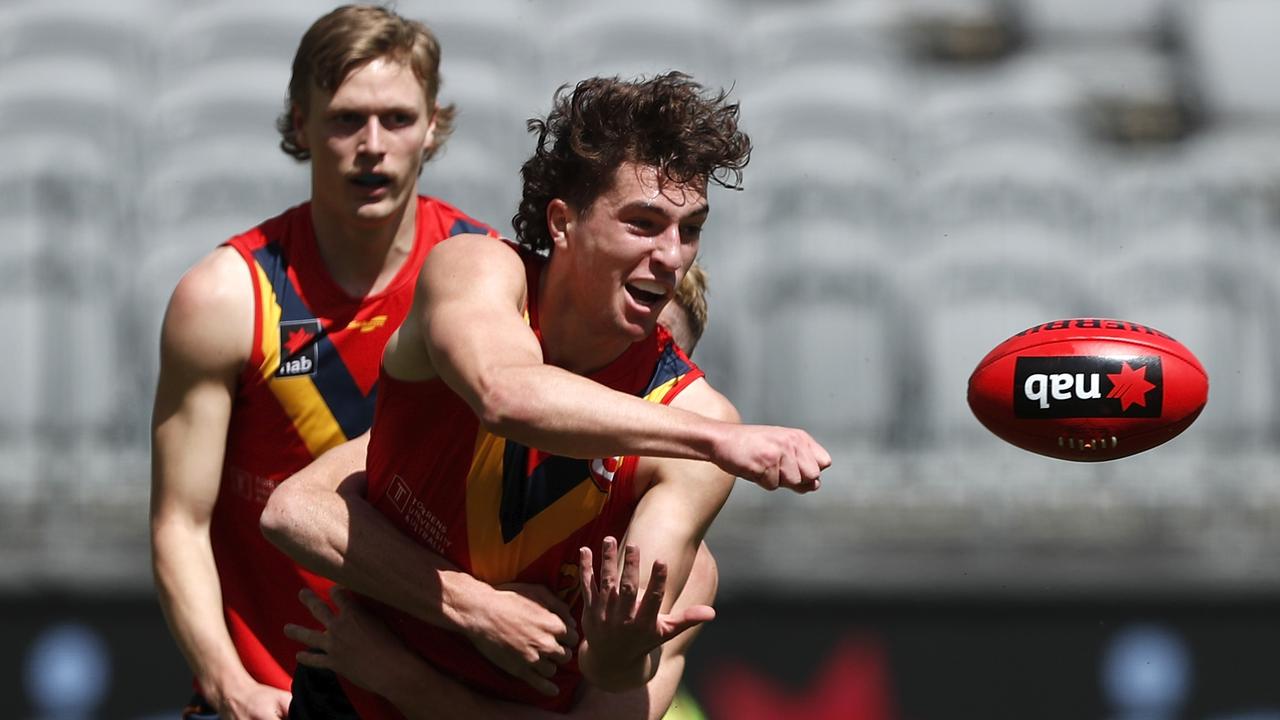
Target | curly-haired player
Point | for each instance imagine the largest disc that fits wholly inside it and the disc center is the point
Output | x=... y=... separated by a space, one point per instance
x=530 y=408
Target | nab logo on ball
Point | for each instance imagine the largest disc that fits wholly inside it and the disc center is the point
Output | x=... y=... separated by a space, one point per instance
x=1088 y=387
x=298 y=352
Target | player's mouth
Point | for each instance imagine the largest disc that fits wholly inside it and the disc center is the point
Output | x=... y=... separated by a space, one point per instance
x=371 y=181
x=647 y=293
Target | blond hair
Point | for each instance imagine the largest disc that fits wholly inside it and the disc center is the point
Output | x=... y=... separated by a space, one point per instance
x=349 y=37
x=691 y=298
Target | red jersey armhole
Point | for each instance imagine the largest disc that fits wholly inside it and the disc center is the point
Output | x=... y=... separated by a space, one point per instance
x=251 y=265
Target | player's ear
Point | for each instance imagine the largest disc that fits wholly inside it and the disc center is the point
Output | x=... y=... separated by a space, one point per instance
x=299 y=122
x=429 y=141
x=560 y=218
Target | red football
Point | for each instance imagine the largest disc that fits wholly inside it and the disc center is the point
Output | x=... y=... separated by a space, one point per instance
x=1088 y=389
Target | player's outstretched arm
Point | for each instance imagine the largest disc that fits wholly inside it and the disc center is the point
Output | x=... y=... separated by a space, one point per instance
x=468 y=318
x=359 y=646
x=204 y=343
x=523 y=629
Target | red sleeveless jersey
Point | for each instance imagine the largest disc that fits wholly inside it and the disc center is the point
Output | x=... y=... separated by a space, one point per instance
x=500 y=510
x=308 y=386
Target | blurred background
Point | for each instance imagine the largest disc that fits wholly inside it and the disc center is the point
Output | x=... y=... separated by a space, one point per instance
x=930 y=177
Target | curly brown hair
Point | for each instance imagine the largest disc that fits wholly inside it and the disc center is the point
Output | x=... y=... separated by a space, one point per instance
x=349 y=37
x=667 y=121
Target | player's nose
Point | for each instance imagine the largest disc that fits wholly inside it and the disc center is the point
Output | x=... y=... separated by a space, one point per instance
x=666 y=249
x=370 y=141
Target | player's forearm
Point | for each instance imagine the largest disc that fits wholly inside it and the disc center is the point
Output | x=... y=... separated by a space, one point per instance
x=186 y=580
x=344 y=538
x=565 y=414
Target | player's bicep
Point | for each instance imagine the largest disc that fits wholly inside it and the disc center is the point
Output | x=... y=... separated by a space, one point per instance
x=204 y=342
x=472 y=314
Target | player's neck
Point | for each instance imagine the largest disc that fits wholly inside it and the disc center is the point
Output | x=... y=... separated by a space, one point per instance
x=363 y=259
x=567 y=338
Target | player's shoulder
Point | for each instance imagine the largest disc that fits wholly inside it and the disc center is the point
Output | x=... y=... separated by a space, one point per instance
x=218 y=281
x=455 y=220
x=701 y=398
x=472 y=254
x=209 y=316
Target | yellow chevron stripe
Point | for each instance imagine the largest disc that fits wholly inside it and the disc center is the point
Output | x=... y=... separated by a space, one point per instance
x=298 y=396
x=494 y=561
x=659 y=393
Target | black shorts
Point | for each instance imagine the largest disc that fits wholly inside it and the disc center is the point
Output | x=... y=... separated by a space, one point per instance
x=317 y=695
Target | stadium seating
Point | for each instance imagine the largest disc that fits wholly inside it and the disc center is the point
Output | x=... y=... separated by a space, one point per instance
x=836 y=103
x=116 y=35
x=821 y=347
x=1232 y=51
x=1008 y=181
x=640 y=39
x=1135 y=22
x=199 y=35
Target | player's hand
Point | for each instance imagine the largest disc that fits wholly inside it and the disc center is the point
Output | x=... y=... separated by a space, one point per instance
x=253 y=701
x=773 y=457
x=526 y=631
x=351 y=642
x=623 y=625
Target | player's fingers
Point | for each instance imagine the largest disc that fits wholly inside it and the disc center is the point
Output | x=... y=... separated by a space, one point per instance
x=539 y=683
x=561 y=655
x=307 y=636
x=314 y=659
x=651 y=604
x=564 y=628
x=609 y=566
x=587 y=576
x=789 y=474
x=821 y=455
x=769 y=478
x=341 y=598
x=319 y=610
x=691 y=617
x=809 y=474
x=568 y=638
x=543 y=667
x=629 y=583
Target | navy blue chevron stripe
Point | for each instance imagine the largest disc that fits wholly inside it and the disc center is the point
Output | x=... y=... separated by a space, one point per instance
x=524 y=496
x=350 y=406
x=467 y=225
x=670 y=366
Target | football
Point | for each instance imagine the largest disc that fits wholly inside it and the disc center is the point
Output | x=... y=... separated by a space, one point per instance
x=1088 y=389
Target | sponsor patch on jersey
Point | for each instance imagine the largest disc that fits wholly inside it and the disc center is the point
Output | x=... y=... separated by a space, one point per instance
x=298 y=352
x=1086 y=386
x=603 y=471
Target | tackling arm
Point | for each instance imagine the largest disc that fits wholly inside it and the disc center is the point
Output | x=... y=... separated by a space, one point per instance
x=358 y=646
x=312 y=516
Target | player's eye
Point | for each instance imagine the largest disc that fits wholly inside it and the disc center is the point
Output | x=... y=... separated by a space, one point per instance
x=399 y=120
x=347 y=121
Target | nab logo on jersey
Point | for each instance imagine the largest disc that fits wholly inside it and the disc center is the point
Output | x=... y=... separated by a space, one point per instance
x=1087 y=387
x=298 y=353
